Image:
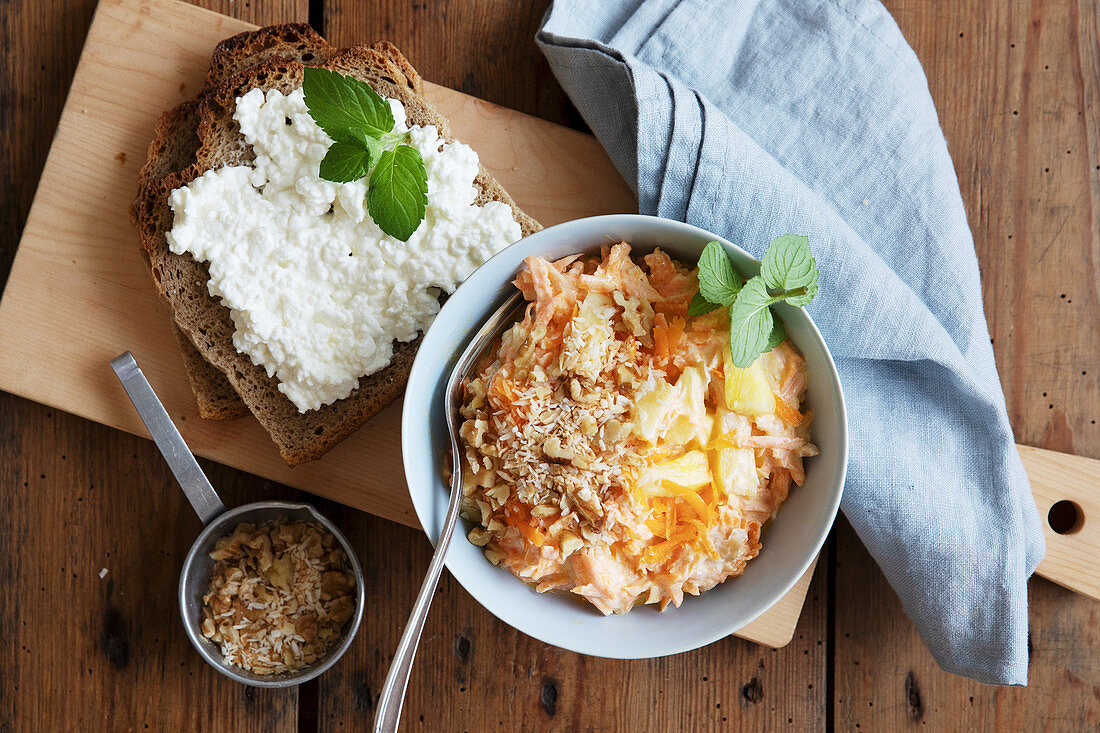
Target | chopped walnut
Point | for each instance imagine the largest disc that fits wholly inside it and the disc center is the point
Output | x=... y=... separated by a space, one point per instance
x=280 y=594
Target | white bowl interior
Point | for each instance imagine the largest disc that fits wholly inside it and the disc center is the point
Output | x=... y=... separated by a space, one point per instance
x=789 y=544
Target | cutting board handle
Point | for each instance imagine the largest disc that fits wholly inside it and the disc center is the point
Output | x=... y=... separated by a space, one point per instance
x=1067 y=493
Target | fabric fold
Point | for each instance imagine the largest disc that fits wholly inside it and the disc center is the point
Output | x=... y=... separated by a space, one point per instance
x=753 y=118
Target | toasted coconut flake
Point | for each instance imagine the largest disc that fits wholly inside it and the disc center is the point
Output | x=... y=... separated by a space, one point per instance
x=279 y=594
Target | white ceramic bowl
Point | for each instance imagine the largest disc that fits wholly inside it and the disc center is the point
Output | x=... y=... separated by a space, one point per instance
x=789 y=544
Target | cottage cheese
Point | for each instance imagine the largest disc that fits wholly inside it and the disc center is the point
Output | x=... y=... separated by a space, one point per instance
x=318 y=293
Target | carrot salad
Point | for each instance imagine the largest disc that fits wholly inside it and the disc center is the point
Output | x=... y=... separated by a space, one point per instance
x=612 y=449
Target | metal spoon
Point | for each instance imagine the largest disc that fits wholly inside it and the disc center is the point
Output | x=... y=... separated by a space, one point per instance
x=195 y=576
x=388 y=715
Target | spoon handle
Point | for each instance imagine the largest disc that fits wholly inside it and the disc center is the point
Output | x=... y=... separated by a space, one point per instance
x=388 y=716
x=180 y=459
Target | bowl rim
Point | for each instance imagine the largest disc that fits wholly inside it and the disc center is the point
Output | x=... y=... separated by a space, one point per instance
x=481 y=279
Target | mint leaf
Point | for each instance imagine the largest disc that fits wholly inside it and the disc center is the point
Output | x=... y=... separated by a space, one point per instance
x=777 y=336
x=700 y=306
x=788 y=273
x=751 y=322
x=346 y=160
x=345 y=107
x=398 y=191
x=788 y=264
x=718 y=283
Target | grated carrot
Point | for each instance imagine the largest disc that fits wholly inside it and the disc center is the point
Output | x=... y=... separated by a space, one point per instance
x=723 y=441
x=704 y=538
x=660 y=339
x=660 y=553
x=675 y=332
x=692 y=498
x=785 y=412
x=518 y=518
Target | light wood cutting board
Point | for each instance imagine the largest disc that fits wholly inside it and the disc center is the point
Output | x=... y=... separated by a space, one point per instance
x=79 y=292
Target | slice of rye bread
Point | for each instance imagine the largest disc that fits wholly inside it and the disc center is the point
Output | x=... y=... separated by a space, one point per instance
x=182 y=281
x=175 y=144
x=174 y=147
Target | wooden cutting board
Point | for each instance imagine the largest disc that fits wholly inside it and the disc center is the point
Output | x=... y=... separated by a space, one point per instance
x=79 y=292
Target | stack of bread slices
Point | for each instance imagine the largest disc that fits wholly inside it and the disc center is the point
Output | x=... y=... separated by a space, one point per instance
x=201 y=134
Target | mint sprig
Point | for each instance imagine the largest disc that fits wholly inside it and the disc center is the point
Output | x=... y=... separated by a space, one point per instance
x=360 y=123
x=788 y=273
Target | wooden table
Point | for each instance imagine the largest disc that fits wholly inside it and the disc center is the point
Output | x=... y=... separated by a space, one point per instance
x=1017 y=85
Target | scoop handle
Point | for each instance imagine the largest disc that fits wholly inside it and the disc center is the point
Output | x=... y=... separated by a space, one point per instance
x=184 y=467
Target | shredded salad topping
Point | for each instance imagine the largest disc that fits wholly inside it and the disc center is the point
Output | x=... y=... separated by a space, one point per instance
x=612 y=448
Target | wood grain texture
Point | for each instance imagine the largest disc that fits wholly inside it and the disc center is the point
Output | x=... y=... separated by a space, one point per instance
x=79 y=651
x=886 y=679
x=1015 y=83
x=483 y=48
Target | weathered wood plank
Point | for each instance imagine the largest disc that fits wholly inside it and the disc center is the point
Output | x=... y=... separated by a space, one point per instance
x=1015 y=83
x=481 y=47
x=78 y=650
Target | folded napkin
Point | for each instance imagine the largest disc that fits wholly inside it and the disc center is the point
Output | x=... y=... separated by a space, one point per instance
x=754 y=118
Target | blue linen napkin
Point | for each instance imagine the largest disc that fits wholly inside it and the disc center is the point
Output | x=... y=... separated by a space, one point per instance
x=754 y=118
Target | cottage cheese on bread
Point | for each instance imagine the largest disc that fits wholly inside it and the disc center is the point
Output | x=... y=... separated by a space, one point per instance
x=317 y=292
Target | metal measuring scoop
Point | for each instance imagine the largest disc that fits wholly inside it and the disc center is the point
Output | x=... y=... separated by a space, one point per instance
x=388 y=715
x=195 y=576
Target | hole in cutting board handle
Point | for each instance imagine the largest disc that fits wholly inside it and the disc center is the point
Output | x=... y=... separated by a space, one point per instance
x=1065 y=517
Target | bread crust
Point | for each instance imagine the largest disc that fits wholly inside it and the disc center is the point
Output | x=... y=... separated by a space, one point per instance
x=296 y=41
x=181 y=280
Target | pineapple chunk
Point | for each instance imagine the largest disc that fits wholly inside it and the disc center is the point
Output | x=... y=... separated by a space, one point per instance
x=680 y=432
x=748 y=391
x=689 y=470
x=692 y=421
x=675 y=414
x=649 y=410
x=735 y=471
x=727 y=421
